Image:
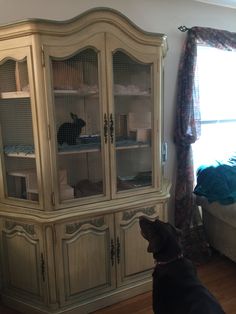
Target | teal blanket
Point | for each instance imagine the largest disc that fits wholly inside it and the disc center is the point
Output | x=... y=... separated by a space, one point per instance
x=217 y=182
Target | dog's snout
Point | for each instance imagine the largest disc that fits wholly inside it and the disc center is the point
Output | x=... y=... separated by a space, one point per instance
x=147 y=227
x=143 y=220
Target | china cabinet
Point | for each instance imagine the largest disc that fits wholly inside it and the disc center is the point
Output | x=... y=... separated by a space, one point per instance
x=81 y=137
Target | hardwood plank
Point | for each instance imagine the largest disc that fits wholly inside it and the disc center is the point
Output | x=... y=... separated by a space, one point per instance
x=220 y=278
x=5 y=310
x=219 y=275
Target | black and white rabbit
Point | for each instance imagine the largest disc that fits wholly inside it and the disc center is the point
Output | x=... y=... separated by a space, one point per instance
x=68 y=132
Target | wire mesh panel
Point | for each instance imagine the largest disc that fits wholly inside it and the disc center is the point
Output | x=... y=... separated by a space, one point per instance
x=17 y=131
x=133 y=101
x=77 y=111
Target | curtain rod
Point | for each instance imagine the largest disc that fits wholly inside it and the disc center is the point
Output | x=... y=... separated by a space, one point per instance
x=183 y=28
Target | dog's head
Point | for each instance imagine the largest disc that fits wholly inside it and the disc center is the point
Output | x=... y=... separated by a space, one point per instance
x=163 y=239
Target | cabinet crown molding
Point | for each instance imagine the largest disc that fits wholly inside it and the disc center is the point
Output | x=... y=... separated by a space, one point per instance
x=90 y=17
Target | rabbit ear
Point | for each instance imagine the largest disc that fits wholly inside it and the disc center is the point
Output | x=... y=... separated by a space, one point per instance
x=73 y=116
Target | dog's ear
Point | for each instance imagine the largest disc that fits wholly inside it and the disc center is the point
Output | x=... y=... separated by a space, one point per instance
x=148 y=228
x=155 y=244
x=149 y=234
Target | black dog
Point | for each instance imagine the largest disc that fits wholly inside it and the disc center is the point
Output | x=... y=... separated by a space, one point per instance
x=176 y=287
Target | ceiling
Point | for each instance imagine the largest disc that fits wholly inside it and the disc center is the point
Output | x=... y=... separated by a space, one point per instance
x=224 y=3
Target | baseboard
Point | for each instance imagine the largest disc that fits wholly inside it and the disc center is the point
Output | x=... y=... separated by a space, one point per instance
x=84 y=307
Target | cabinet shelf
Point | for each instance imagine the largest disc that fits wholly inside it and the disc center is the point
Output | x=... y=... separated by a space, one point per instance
x=72 y=92
x=27 y=151
x=12 y=151
x=95 y=147
x=20 y=155
x=80 y=150
x=17 y=94
x=19 y=151
x=132 y=95
x=131 y=146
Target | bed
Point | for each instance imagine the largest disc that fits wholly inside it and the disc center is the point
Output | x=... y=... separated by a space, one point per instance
x=216 y=194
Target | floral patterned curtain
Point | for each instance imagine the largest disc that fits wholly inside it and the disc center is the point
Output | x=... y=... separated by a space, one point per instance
x=188 y=128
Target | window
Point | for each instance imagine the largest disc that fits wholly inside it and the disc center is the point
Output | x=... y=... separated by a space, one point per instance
x=216 y=74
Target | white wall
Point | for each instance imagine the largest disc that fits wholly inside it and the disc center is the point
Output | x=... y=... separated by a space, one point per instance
x=163 y=16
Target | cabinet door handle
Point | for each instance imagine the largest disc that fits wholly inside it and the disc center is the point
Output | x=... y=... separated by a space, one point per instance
x=118 y=250
x=105 y=127
x=111 y=128
x=42 y=267
x=112 y=252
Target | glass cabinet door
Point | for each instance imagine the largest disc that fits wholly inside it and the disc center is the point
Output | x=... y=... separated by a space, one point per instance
x=133 y=107
x=16 y=131
x=78 y=125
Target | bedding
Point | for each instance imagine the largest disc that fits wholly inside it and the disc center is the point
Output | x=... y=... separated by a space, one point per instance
x=217 y=182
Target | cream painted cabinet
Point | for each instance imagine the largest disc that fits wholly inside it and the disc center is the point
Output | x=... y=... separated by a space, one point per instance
x=104 y=115
x=98 y=255
x=81 y=158
x=23 y=265
x=134 y=263
x=18 y=132
x=86 y=258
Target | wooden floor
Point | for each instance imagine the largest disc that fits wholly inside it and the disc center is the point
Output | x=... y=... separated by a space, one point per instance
x=219 y=275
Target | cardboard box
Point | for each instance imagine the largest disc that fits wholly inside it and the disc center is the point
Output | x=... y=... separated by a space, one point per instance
x=66 y=191
x=141 y=135
x=21 y=76
x=67 y=76
x=139 y=120
x=121 y=125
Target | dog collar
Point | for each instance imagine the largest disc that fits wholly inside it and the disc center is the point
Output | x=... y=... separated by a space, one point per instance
x=161 y=263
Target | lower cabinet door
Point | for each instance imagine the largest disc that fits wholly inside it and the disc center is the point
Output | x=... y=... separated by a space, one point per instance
x=86 y=258
x=22 y=260
x=134 y=263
